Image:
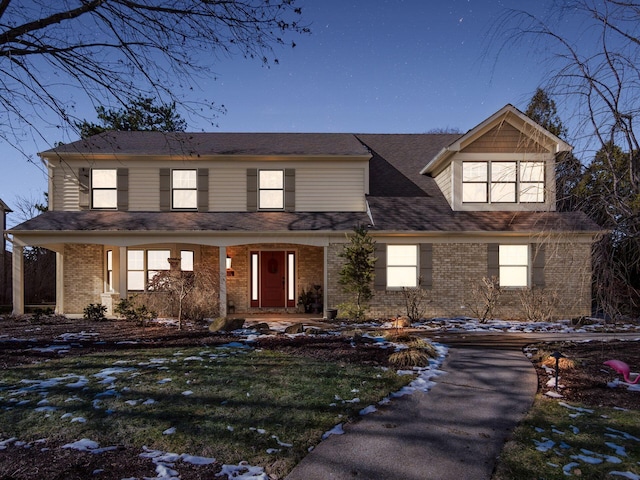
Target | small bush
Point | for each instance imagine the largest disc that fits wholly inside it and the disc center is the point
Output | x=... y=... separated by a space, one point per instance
x=129 y=309
x=409 y=357
x=538 y=304
x=484 y=298
x=95 y=312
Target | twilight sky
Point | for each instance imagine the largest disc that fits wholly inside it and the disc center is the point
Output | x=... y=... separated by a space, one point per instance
x=369 y=66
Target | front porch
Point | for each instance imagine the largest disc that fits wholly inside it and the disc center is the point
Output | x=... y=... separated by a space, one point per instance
x=248 y=279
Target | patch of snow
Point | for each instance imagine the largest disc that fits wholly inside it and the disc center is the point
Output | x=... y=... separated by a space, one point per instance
x=629 y=475
x=186 y=393
x=169 y=431
x=337 y=430
x=243 y=471
x=368 y=410
x=195 y=460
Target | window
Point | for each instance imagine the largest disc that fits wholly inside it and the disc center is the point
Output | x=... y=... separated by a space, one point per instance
x=503 y=182
x=514 y=265
x=474 y=182
x=271 y=189
x=531 y=182
x=142 y=265
x=104 y=188
x=186 y=260
x=109 y=271
x=184 y=189
x=402 y=266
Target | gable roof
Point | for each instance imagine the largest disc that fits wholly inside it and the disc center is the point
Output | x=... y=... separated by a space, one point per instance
x=514 y=118
x=195 y=145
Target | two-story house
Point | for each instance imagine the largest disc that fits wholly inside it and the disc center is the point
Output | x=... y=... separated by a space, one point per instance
x=272 y=211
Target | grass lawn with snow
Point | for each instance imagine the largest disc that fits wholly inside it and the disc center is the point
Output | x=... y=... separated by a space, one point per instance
x=558 y=439
x=233 y=403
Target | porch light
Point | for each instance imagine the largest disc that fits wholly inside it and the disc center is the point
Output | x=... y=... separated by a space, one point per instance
x=230 y=272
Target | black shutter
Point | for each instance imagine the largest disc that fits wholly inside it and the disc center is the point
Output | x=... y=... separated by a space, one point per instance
x=252 y=189
x=289 y=190
x=123 y=188
x=538 y=264
x=493 y=260
x=426 y=265
x=165 y=189
x=380 y=280
x=203 y=189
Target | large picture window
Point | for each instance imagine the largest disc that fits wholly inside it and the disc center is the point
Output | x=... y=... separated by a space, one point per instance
x=514 y=265
x=142 y=265
x=402 y=266
x=271 y=189
x=104 y=188
x=184 y=189
x=503 y=182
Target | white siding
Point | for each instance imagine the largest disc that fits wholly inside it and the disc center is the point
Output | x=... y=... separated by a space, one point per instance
x=443 y=180
x=65 y=190
x=330 y=189
x=144 y=189
x=227 y=189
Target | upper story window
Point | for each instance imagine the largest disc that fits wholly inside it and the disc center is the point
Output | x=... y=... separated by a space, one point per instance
x=271 y=189
x=184 y=189
x=402 y=266
x=503 y=182
x=104 y=188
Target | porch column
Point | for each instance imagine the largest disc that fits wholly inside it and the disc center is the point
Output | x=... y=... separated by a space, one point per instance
x=122 y=272
x=222 y=266
x=325 y=279
x=59 y=283
x=18 y=279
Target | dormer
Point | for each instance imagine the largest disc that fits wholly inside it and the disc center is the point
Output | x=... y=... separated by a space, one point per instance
x=506 y=163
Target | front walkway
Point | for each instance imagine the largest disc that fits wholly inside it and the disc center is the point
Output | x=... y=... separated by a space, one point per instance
x=455 y=431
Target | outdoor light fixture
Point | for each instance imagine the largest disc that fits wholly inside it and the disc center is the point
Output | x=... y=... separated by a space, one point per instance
x=557 y=355
x=230 y=272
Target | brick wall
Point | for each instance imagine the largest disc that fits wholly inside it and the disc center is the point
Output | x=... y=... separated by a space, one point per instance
x=457 y=266
x=83 y=276
x=310 y=270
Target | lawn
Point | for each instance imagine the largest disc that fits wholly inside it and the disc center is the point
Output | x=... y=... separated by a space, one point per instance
x=231 y=403
x=559 y=439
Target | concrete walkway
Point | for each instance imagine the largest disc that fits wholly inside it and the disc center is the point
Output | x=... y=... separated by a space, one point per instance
x=455 y=431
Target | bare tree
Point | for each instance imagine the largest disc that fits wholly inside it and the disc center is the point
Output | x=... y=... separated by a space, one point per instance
x=112 y=51
x=595 y=70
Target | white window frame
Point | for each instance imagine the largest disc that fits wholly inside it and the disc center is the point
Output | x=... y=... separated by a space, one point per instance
x=184 y=190
x=104 y=191
x=270 y=193
x=515 y=266
x=526 y=184
x=402 y=266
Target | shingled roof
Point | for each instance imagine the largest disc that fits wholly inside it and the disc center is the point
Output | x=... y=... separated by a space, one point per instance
x=196 y=145
x=400 y=199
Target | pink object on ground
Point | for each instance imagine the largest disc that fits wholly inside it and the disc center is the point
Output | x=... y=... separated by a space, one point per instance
x=623 y=369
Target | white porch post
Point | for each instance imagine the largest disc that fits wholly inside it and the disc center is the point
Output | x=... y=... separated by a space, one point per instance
x=18 y=279
x=222 y=262
x=122 y=272
x=325 y=301
x=59 y=283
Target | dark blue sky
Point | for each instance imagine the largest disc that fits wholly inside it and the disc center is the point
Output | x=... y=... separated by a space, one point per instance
x=392 y=66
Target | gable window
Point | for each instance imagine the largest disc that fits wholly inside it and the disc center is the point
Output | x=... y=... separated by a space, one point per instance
x=402 y=266
x=531 y=182
x=474 y=182
x=271 y=189
x=184 y=189
x=503 y=182
x=514 y=265
x=104 y=188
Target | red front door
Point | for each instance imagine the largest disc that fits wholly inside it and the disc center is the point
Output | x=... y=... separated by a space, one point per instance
x=272 y=279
